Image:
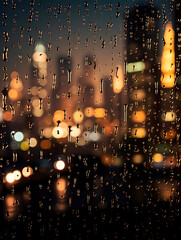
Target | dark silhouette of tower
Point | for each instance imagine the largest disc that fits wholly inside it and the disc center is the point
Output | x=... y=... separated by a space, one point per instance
x=143 y=80
x=62 y=82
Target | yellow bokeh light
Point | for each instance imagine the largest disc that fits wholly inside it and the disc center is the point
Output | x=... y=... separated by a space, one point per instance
x=61 y=185
x=39 y=57
x=13 y=94
x=135 y=67
x=27 y=171
x=169 y=116
x=157 y=157
x=169 y=36
x=168 y=59
x=10 y=178
x=57 y=132
x=43 y=93
x=17 y=174
x=137 y=158
x=37 y=112
x=118 y=80
x=168 y=80
x=89 y=112
x=58 y=116
x=138 y=133
x=64 y=126
x=99 y=112
x=16 y=84
x=59 y=165
x=78 y=116
x=75 y=131
x=47 y=132
x=24 y=146
x=32 y=142
x=35 y=102
x=138 y=116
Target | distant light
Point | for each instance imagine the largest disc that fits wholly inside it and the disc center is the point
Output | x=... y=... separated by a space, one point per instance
x=137 y=158
x=59 y=165
x=17 y=174
x=138 y=133
x=168 y=59
x=18 y=136
x=117 y=162
x=57 y=132
x=138 y=95
x=39 y=57
x=75 y=131
x=37 y=112
x=24 y=146
x=43 y=93
x=86 y=136
x=99 y=112
x=135 y=67
x=13 y=94
x=138 y=116
x=64 y=126
x=14 y=74
x=170 y=134
x=61 y=185
x=35 y=102
x=106 y=160
x=47 y=132
x=168 y=80
x=33 y=142
x=14 y=145
x=169 y=116
x=16 y=84
x=157 y=157
x=7 y=116
x=58 y=116
x=78 y=116
x=40 y=48
x=81 y=142
x=89 y=112
x=42 y=81
x=94 y=136
x=10 y=178
x=34 y=90
x=1 y=115
x=118 y=80
x=45 y=144
x=27 y=171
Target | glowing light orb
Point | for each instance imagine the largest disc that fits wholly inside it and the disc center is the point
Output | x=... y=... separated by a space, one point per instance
x=27 y=171
x=10 y=178
x=17 y=174
x=59 y=165
x=18 y=136
x=78 y=116
x=24 y=146
x=57 y=132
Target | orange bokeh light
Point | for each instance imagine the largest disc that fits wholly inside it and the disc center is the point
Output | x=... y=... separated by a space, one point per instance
x=58 y=116
x=138 y=116
x=45 y=144
x=7 y=116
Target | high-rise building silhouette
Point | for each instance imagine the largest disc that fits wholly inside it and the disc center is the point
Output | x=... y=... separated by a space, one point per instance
x=143 y=81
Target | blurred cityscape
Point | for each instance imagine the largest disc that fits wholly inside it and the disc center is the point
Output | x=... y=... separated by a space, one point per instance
x=75 y=138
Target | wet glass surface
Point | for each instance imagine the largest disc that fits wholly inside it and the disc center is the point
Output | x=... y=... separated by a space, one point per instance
x=90 y=119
